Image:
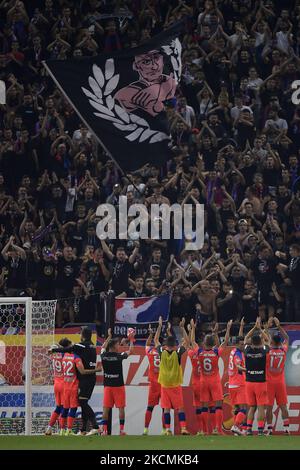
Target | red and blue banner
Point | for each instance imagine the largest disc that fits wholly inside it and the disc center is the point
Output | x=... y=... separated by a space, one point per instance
x=142 y=310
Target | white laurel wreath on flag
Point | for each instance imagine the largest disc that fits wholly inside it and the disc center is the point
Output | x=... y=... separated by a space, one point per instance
x=102 y=86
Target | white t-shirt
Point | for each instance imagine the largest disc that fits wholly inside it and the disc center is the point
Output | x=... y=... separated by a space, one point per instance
x=233 y=39
x=282 y=41
x=205 y=105
x=278 y=123
x=235 y=111
x=252 y=84
x=188 y=114
x=77 y=135
x=259 y=38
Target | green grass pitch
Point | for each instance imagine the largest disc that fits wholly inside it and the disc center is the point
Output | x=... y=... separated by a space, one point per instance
x=149 y=443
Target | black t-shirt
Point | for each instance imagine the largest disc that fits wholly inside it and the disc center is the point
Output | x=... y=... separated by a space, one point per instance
x=133 y=293
x=255 y=361
x=16 y=278
x=237 y=283
x=271 y=176
x=209 y=157
x=112 y=368
x=229 y=309
x=294 y=272
x=96 y=276
x=29 y=116
x=84 y=309
x=226 y=214
x=188 y=307
x=249 y=309
x=264 y=272
x=67 y=271
x=46 y=274
x=120 y=276
x=248 y=172
x=87 y=353
x=245 y=133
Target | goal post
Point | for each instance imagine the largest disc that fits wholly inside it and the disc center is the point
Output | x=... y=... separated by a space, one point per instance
x=27 y=330
x=28 y=365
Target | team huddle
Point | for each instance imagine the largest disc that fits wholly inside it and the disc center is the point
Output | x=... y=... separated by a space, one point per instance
x=255 y=371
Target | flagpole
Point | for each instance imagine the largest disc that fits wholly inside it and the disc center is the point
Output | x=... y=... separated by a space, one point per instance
x=90 y=129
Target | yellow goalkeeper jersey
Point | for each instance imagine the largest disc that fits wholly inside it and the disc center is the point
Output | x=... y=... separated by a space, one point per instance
x=170 y=371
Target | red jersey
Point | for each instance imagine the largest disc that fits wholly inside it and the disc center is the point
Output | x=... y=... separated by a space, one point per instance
x=196 y=368
x=209 y=363
x=154 y=361
x=237 y=378
x=70 y=362
x=57 y=365
x=275 y=363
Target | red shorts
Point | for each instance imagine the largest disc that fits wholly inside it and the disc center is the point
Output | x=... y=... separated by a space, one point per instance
x=70 y=399
x=256 y=393
x=59 y=392
x=154 y=392
x=114 y=396
x=196 y=395
x=211 y=390
x=276 y=390
x=171 y=398
x=238 y=395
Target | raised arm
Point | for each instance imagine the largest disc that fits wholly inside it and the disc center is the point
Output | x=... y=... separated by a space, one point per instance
x=227 y=334
x=6 y=248
x=134 y=253
x=241 y=330
x=184 y=333
x=150 y=337
x=19 y=250
x=158 y=332
x=193 y=334
x=215 y=333
x=109 y=337
x=253 y=330
x=282 y=331
x=106 y=250
x=131 y=345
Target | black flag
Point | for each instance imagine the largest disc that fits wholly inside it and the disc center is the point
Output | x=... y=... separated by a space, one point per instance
x=120 y=97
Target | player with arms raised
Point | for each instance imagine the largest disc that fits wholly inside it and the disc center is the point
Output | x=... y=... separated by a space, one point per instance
x=114 y=390
x=237 y=380
x=193 y=354
x=276 y=387
x=256 y=350
x=154 y=391
x=170 y=378
x=210 y=381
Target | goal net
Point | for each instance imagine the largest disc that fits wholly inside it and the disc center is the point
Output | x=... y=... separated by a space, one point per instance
x=26 y=390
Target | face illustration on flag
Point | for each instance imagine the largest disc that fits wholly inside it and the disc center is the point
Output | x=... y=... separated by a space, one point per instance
x=121 y=97
x=153 y=87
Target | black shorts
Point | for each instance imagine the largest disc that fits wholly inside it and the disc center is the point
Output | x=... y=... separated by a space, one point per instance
x=86 y=388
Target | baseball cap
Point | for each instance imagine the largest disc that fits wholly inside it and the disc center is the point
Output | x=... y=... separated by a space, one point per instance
x=155 y=266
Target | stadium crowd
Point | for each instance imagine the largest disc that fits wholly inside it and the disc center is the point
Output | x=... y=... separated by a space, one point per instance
x=235 y=136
